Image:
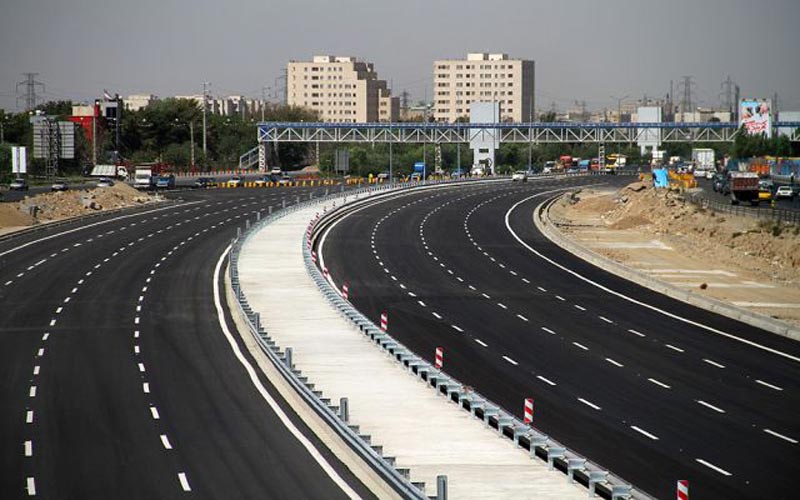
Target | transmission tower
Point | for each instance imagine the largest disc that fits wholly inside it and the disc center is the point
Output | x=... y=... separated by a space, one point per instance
x=404 y=96
x=30 y=83
x=727 y=94
x=685 y=87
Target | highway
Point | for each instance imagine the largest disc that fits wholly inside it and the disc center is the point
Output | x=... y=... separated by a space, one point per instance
x=649 y=387
x=119 y=378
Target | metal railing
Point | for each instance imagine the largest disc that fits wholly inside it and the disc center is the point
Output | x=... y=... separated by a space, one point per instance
x=333 y=415
x=769 y=214
x=595 y=478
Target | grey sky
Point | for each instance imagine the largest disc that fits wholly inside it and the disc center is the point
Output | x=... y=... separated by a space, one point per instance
x=584 y=49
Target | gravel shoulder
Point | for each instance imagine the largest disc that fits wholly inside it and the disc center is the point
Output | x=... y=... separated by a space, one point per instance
x=750 y=264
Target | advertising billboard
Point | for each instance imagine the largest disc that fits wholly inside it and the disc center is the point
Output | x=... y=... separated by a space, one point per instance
x=756 y=116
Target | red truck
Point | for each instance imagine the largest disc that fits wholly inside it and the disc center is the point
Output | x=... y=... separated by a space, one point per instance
x=742 y=186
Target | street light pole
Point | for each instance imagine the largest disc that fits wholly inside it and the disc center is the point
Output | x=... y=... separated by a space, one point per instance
x=619 y=107
x=191 y=138
x=205 y=104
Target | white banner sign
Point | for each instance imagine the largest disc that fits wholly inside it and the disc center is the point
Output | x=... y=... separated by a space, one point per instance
x=19 y=160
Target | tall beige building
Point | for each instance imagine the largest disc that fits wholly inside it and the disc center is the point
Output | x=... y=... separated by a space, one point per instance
x=340 y=89
x=483 y=77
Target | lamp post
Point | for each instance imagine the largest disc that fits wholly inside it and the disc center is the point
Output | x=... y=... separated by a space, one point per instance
x=619 y=106
x=191 y=137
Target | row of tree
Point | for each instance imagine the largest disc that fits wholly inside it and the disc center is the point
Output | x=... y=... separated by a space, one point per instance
x=169 y=131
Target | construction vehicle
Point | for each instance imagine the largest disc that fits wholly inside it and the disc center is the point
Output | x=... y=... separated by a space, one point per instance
x=113 y=171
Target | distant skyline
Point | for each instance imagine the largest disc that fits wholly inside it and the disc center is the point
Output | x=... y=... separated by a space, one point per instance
x=585 y=50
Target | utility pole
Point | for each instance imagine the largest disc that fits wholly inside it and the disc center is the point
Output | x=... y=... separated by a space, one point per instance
x=530 y=134
x=263 y=101
x=30 y=83
x=686 y=101
x=736 y=103
x=205 y=105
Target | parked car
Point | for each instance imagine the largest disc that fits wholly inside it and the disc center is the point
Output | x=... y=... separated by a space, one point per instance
x=519 y=175
x=785 y=192
x=235 y=182
x=204 y=182
x=104 y=182
x=165 y=182
x=18 y=184
x=59 y=185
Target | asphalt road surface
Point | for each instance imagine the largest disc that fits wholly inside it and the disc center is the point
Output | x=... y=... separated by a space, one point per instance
x=783 y=203
x=649 y=387
x=116 y=378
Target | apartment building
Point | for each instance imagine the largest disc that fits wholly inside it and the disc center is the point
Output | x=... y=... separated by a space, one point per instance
x=136 y=102
x=340 y=89
x=483 y=77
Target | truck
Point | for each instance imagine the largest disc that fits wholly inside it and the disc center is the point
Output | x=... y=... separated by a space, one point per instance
x=703 y=160
x=143 y=178
x=742 y=186
x=565 y=162
x=112 y=171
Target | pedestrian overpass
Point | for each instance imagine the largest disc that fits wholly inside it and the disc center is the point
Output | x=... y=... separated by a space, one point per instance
x=520 y=133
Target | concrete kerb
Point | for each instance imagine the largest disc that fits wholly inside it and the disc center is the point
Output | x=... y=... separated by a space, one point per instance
x=548 y=228
x=324 y=411
x=494 y=416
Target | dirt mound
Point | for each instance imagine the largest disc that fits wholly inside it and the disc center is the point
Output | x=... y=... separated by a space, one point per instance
x=47 y=207
x=767 y=248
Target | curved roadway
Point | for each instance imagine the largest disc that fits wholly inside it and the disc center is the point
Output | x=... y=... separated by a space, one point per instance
x=117 y=379
x=649 y=387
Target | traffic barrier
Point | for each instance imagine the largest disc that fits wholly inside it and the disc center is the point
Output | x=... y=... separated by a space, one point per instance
x=313 y=256
x=683 y=489
x=384 y=322
x=346 y=291
x=439 y=361
x=528 y=411
x=326 y=273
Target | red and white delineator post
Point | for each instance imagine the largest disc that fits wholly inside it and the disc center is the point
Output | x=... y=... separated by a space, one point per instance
x=384 y=321
x=313 y=256
x=346 y=290
x=326 y=273
x=683 y=489
x=439 y=358
x=528 y=411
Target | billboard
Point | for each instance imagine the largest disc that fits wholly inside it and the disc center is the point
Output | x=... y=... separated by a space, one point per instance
x=755 y=115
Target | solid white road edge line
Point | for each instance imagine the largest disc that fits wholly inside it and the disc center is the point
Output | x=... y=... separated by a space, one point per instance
x=631 y=299
x=251 y=372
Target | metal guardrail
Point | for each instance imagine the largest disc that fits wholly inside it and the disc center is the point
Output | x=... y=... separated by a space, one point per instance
x=597 y=479
x=335 y=416
x=769 y=214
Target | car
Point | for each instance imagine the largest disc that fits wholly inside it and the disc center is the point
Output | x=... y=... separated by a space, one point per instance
x=234 y=182
x=458 y=173
x=709 y=174
x=104 y=182
x=519 y=175
x=18 y=184
x=166 y=181
x=383 y=176
x=785 y=192
x=204 y=182
x=266 y=179
x=276 y=171
x=284 y=180
x=416 y=177
x=59 y=185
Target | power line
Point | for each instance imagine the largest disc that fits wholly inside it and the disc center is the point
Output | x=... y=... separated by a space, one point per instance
x=30 y=96
x=686 y=87
x=728 y=87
